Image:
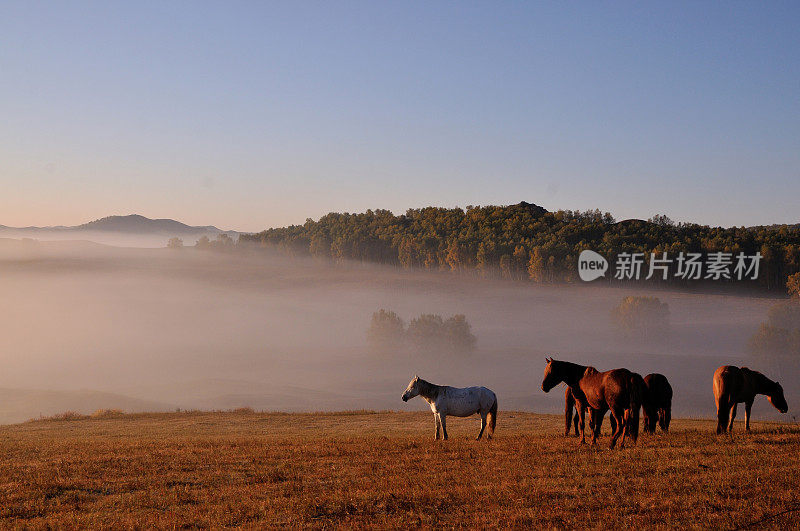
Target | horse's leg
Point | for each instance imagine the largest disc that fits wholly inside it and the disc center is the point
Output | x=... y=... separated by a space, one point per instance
x=618 y=430
x=722 y=414
x=582 y=415
x=597 y=424
x=483 y=425
x=436 y=421
x=733 y=416
x=578 y=422
x=667 y=418
x=626 y=422
x=444 y=425
x=569 y=404
x=747 y=406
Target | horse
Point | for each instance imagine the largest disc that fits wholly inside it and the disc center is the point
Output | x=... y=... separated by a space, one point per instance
x=571 y=415
x=614 y=390
x=733 y=385
x=639 y=387
x=657 y=403
x=455 y=401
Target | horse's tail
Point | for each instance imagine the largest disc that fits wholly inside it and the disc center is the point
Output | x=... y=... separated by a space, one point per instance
x=636 y=396
x=492 y=417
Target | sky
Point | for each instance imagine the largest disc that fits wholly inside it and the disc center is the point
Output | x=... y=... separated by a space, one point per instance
x=248 y=115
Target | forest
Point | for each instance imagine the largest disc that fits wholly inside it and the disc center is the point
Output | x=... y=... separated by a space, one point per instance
x=527 y=242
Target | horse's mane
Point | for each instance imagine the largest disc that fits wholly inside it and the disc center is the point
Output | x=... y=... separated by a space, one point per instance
x=762 y=380
x=571 y=365
x=427 y=389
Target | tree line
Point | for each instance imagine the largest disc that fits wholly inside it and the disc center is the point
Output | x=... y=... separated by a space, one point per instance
x=526 y=242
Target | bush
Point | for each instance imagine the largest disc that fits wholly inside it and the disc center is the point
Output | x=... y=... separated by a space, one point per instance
x=108 y=414
x=641 y=317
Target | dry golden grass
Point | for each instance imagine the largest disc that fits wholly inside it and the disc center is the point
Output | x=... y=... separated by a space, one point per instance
x=384 y=470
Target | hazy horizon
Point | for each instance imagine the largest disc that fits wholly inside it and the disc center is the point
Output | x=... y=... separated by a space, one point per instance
x=144 y=329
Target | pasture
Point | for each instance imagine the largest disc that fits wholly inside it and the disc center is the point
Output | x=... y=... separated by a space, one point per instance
x=383 y=469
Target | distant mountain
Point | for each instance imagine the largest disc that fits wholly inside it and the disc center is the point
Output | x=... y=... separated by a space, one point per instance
x=133 y=223
x=126 y=231
x=142 y=225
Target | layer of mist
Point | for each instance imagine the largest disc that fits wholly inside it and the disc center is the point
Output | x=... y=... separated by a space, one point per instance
x=87 y=326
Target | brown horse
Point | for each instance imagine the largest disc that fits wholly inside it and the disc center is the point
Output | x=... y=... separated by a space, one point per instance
x=733 y=385
x=657 y=404
x=613 y=391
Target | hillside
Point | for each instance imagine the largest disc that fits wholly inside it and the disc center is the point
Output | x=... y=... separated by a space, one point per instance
x=383 y=470
x=526 y=242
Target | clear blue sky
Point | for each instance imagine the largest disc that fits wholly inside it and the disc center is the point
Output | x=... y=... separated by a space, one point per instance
x=255 y=114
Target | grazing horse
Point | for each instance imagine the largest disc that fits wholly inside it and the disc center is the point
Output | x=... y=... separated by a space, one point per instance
x=614 y=390
x=733 y=385
x=456 y=401
x=657 y=403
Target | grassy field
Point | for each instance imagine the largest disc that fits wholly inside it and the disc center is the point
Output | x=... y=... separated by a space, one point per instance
x=383 y=469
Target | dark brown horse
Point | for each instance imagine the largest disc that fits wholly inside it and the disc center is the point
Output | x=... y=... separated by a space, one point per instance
x=613 y=391
x=733 y=385
x=657 y=403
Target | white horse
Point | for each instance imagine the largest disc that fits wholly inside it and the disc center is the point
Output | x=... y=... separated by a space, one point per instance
x=456 y=401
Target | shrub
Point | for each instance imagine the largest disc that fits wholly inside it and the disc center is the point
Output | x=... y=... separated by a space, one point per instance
x=641 y=317
x=108 y=414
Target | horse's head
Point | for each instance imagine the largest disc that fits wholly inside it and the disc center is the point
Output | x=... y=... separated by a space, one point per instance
x=551 y=378
x=777 y=399
x=412 y=390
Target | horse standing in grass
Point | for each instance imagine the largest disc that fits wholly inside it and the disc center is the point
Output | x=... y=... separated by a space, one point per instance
x=657 y=404
x=455 y=401
x=733 y=385
x=614 y=391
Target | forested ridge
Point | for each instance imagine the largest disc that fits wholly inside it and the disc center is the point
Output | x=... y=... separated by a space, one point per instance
x=525 y=241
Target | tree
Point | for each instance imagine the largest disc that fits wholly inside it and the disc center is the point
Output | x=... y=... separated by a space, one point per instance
x=641 y=317
x=458 y=333
x=793 y=285
x=386 y=331
x=175 y=243
x=426 y=331
x=203 y=243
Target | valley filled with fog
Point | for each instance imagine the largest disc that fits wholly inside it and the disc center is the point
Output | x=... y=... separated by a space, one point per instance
x=87 y=326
